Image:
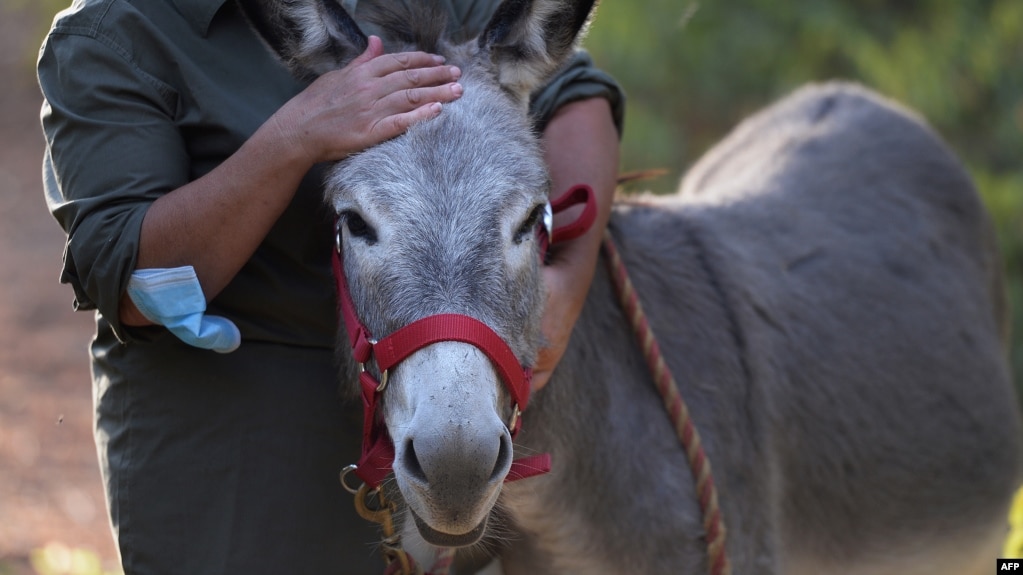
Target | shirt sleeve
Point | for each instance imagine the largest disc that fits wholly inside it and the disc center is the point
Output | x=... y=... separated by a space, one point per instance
x=578 y=79
x=112 y=148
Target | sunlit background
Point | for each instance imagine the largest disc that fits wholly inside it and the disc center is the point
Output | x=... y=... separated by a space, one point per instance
x=692 y=70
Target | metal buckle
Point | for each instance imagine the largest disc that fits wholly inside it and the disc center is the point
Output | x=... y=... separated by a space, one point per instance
x=344 y=475
x=383 y=374
x=516 y=414
x=383 y=382
x=548 y=220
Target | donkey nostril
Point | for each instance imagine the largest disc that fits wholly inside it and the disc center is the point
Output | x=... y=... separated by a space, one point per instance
x=411 y=461
x=504 y=455
x=468 y=461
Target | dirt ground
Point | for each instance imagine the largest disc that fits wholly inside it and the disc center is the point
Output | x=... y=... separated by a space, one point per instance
x=49 y=480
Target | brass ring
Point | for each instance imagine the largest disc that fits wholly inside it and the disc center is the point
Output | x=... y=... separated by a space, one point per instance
x=516 y=413
x=344 y=474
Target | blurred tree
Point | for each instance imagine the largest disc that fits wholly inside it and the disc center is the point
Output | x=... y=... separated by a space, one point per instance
x=692 y=71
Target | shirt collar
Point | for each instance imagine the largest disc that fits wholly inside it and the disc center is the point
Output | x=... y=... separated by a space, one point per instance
x=199 y=13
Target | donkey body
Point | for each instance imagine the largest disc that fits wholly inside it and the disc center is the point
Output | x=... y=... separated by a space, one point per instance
x=827 y=291
x=825 y=287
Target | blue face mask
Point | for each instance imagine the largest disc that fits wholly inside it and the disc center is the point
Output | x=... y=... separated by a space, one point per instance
x=173 y=298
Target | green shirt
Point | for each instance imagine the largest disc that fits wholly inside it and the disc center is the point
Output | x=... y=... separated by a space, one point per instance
x=144 y=96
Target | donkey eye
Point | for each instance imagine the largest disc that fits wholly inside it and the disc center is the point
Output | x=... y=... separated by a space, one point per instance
x=528 y=227
x=358 y=227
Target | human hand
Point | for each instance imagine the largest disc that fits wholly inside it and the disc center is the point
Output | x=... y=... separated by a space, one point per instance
x=374 y=98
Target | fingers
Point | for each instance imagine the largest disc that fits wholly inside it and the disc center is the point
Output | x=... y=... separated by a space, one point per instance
x=405 y=81
x=397 y=124
x=374 y=48
x=419 y=77
x=387 y=64
x=411 y=98
x=374 y=98
x=407 y=95
x=403 y=70
x=417 y=86
x=404 y=90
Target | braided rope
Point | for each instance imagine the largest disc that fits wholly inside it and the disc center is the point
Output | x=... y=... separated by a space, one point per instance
x=699 y=465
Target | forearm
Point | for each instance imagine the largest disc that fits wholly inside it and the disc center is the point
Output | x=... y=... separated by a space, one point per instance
x=216 y=222
x=582 y=148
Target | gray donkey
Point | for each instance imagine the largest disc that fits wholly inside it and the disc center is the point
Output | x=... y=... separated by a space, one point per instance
x=825 y=286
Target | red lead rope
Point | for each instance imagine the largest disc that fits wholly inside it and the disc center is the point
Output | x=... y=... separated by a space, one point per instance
x=377 y=448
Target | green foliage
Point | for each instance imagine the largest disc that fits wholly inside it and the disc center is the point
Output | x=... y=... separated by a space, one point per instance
x=691 y=72
x=1013 y=547
x=59 y=559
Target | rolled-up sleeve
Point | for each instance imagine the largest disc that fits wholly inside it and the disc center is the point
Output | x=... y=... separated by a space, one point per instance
x=578 y=79
x=112 y=149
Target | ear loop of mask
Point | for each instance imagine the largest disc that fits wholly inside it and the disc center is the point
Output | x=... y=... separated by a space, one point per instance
x=173 y=298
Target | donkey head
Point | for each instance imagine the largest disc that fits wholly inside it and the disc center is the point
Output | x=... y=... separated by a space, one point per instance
x=443 y=220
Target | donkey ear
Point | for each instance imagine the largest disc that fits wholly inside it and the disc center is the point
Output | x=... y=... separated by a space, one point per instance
x=528 y=40
x=311 y=37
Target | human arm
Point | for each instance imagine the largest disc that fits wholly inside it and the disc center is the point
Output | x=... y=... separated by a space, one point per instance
x=582 y=148
x=217 y=221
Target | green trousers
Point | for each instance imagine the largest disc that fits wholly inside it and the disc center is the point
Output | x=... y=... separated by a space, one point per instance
x=228 y=464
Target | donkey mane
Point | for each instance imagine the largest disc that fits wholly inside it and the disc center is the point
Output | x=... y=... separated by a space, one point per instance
x=423 y=24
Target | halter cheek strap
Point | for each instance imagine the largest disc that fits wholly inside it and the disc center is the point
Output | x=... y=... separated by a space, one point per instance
x=377 y=448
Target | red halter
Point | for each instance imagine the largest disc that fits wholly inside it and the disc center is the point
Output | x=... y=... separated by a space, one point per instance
x=377 y=448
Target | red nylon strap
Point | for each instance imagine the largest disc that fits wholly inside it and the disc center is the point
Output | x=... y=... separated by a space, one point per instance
x=377 y=448
x=358 y=335
x=376 y=461
x=580 y=194
x=377 y=457
x=429 y=330
x=454 y=327
x=526 y=467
